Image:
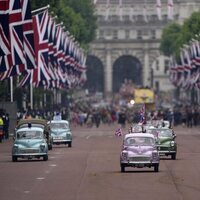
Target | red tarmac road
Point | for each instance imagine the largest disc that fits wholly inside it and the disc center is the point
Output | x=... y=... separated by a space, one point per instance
x=90 y=170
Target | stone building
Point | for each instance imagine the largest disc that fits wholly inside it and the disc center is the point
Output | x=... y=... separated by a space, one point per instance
x=127 y=43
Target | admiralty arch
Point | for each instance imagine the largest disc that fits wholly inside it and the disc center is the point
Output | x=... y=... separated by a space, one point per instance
x=127 y=43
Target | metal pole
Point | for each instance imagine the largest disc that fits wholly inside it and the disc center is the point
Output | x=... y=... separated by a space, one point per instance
x=11 y=89
x=31 y=95
x=40 y=9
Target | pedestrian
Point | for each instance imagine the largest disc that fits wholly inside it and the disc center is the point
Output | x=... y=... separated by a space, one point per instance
x=97 y=118
x=122 y=119
x=6 y=126
x=189 y=118
x=1 y=128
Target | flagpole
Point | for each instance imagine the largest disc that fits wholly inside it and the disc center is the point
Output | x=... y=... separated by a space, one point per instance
x=31 y=95
x=41 y=9
x=11 y=89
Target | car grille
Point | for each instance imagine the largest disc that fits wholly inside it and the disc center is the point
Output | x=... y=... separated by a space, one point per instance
x=164 y=148
x=29 y=151
x=137 y=159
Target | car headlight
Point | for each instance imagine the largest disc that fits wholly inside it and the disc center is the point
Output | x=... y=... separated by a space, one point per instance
x=15 y=148
x=172 y=143
x=42 y=147
x=124 y=155
x=68 y=136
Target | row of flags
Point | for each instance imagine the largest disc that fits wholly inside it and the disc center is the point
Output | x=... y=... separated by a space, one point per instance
x=38 y=48
x=159 y=7
x=186 y=73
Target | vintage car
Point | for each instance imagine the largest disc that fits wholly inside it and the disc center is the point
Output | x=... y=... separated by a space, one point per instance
x=30 y=142
x=60 y=132
x=166 y=143
x=41 y=123
x=139 y=150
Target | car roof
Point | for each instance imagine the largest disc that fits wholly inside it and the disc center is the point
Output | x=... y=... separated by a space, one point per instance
x=32 y=128
x=58 y=121
x=33 y=121
x=139 y=135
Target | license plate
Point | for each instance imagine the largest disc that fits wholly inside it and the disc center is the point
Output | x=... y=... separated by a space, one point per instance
x=58 y=138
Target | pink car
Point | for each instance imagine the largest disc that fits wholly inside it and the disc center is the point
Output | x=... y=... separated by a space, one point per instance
x=139 y=150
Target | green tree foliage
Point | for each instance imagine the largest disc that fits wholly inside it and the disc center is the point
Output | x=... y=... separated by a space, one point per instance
x=77 y=17
x=191 y=27
x=170 y=39
x=175 y=36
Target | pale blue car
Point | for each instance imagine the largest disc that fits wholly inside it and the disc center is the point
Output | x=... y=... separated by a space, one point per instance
x=60 y=132
x=30 y=142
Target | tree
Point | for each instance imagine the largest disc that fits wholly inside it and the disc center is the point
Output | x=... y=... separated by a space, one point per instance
x=170 y=39
x=175 y=36
x=77 y=16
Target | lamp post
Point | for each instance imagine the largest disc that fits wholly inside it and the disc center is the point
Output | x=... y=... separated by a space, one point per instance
x=152 y=78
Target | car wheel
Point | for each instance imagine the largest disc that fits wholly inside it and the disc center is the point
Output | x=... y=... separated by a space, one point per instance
x=173 y=156
x=122 y=168
x=156 y=168
x=14 y=158
x=69 y=144
x=45 y=158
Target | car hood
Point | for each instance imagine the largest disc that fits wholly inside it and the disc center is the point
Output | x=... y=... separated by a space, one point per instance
x=140 y=149
x=30 y=143
x=164 y=140
x=59 y=130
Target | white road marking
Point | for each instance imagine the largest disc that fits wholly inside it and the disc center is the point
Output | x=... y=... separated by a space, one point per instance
x=40 y=178
x=52 y=165
x=88 y=137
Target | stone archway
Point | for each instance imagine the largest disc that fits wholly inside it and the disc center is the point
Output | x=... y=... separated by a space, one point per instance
x=126 y=67
x=95 y=75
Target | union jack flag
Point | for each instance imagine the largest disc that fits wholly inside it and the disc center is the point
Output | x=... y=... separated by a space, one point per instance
x=41 y=75
x=5 y=54
x=16 y=32
x=28 y=37
x=118 y=132
x=19 y=25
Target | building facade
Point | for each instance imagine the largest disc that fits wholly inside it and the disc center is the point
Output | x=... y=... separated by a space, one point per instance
x=128 y=41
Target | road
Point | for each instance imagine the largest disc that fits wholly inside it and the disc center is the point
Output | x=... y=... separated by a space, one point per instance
x=90 y=170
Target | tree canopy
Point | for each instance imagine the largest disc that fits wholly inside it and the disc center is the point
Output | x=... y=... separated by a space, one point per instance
x=175 y=36
x=77 y=16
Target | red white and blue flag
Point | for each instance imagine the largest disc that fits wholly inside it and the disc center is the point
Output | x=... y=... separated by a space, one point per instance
x=118 y=132
x=5 y=54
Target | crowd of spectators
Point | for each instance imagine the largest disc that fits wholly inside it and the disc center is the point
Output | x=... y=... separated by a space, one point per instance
x=88 y=114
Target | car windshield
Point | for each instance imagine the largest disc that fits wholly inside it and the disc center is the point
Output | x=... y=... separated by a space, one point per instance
x=29 y=135
x=161 y=132
x=135 y=141
x=58 y=126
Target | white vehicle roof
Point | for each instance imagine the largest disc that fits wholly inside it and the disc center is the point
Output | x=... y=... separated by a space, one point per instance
x=139 y=135
x=58 y=121
x=29 y=129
